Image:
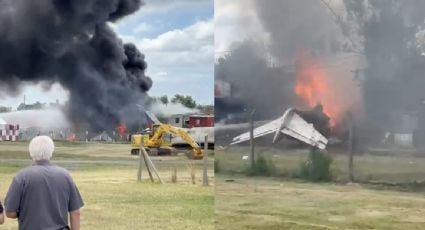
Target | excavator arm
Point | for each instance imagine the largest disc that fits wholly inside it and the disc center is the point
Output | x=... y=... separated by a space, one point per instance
x=162 y=129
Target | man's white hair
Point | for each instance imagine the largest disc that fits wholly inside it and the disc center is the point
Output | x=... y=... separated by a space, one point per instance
x=41 y=148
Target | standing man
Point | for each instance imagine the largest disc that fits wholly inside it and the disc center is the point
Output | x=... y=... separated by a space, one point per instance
x=41 y=196
x=1 y=214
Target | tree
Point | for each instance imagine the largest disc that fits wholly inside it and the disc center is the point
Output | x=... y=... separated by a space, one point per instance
x=164 y=99
x=186 y=101
x=206 y=109
x=150 y=100
x=4 y=109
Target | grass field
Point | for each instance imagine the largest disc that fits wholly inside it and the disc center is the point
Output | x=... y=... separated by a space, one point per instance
x=264 y=203
x=395 y=167
x=282 y=202
x=106 y=176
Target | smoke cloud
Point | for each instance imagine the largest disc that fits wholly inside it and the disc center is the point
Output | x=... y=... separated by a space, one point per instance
x=37 y=118
x=371 y=52
x=255 y=83
x=392 y=36
x=170 y=109
x=70 y=42
x=294 y=25
x=264 y=74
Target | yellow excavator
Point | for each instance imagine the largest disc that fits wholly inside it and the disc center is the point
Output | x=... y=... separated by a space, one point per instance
x=158 y=140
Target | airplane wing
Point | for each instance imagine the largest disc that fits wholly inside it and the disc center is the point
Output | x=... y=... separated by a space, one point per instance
x=260 y=131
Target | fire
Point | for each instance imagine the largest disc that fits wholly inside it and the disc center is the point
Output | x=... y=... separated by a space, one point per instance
x=121 y=129
x=72 y=137
x=313 y=86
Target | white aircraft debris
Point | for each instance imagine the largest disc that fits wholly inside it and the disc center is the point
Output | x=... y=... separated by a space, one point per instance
x=290 y=124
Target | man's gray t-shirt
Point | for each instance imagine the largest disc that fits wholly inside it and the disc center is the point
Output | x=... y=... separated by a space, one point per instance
x=42 y=195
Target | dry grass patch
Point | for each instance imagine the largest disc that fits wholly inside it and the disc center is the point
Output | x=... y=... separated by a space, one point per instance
x=113 y=198
x=250 y=203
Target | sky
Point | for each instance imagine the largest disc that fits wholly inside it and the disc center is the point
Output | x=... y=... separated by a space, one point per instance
x=235 y=21
x=177 y=38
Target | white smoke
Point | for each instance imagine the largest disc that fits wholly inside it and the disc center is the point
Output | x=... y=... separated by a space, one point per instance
x=48 y=119
x=169 y=109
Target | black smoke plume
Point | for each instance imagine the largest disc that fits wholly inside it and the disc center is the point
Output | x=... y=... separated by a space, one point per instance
x=263 y=75
x=255 y=84
x=70 y=42
x=393 y=41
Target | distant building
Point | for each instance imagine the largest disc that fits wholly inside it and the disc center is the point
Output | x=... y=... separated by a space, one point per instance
x=197 y=125
x=191 y=120
x=8 y=132
x=35 y=106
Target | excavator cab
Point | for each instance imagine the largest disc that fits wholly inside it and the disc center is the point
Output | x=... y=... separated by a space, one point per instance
x=161 y=139
x=147 y=131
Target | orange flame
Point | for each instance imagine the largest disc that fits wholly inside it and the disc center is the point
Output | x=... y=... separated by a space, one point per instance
x=313 y=86
x=121 y=129
x=72 y=137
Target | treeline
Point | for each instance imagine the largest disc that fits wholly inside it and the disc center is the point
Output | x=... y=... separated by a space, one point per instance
x=185 y=100
x=4 y=109
x=35 y=106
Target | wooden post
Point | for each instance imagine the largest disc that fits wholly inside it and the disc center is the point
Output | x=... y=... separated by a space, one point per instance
x=350 y=146
x=139 y=173
x=152 y=165
x=205 y=178
x=147 y=165
x=251 y=137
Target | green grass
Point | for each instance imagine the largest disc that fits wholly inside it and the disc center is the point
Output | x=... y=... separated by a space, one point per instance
x=392 y=168
x=106 y=176
x=69 y=150
x=264 y=203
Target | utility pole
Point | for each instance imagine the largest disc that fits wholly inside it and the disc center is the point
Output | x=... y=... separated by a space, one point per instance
x=205 y=175
x=139 y=172
x=350 y=146
x=251 y=136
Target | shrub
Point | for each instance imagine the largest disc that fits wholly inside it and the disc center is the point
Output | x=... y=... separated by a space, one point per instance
x=262 y=167
x=317 y=167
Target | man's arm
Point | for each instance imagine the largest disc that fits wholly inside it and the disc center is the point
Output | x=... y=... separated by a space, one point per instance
x=74 y=217
x=74 y=205
x=13 y=198
x=1 y=214
x=12 y=215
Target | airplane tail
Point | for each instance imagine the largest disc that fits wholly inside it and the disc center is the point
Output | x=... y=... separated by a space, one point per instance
x=291 y=124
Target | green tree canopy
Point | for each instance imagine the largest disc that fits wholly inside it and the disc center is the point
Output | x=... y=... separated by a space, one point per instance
x=164 y=99
x=186 y=101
